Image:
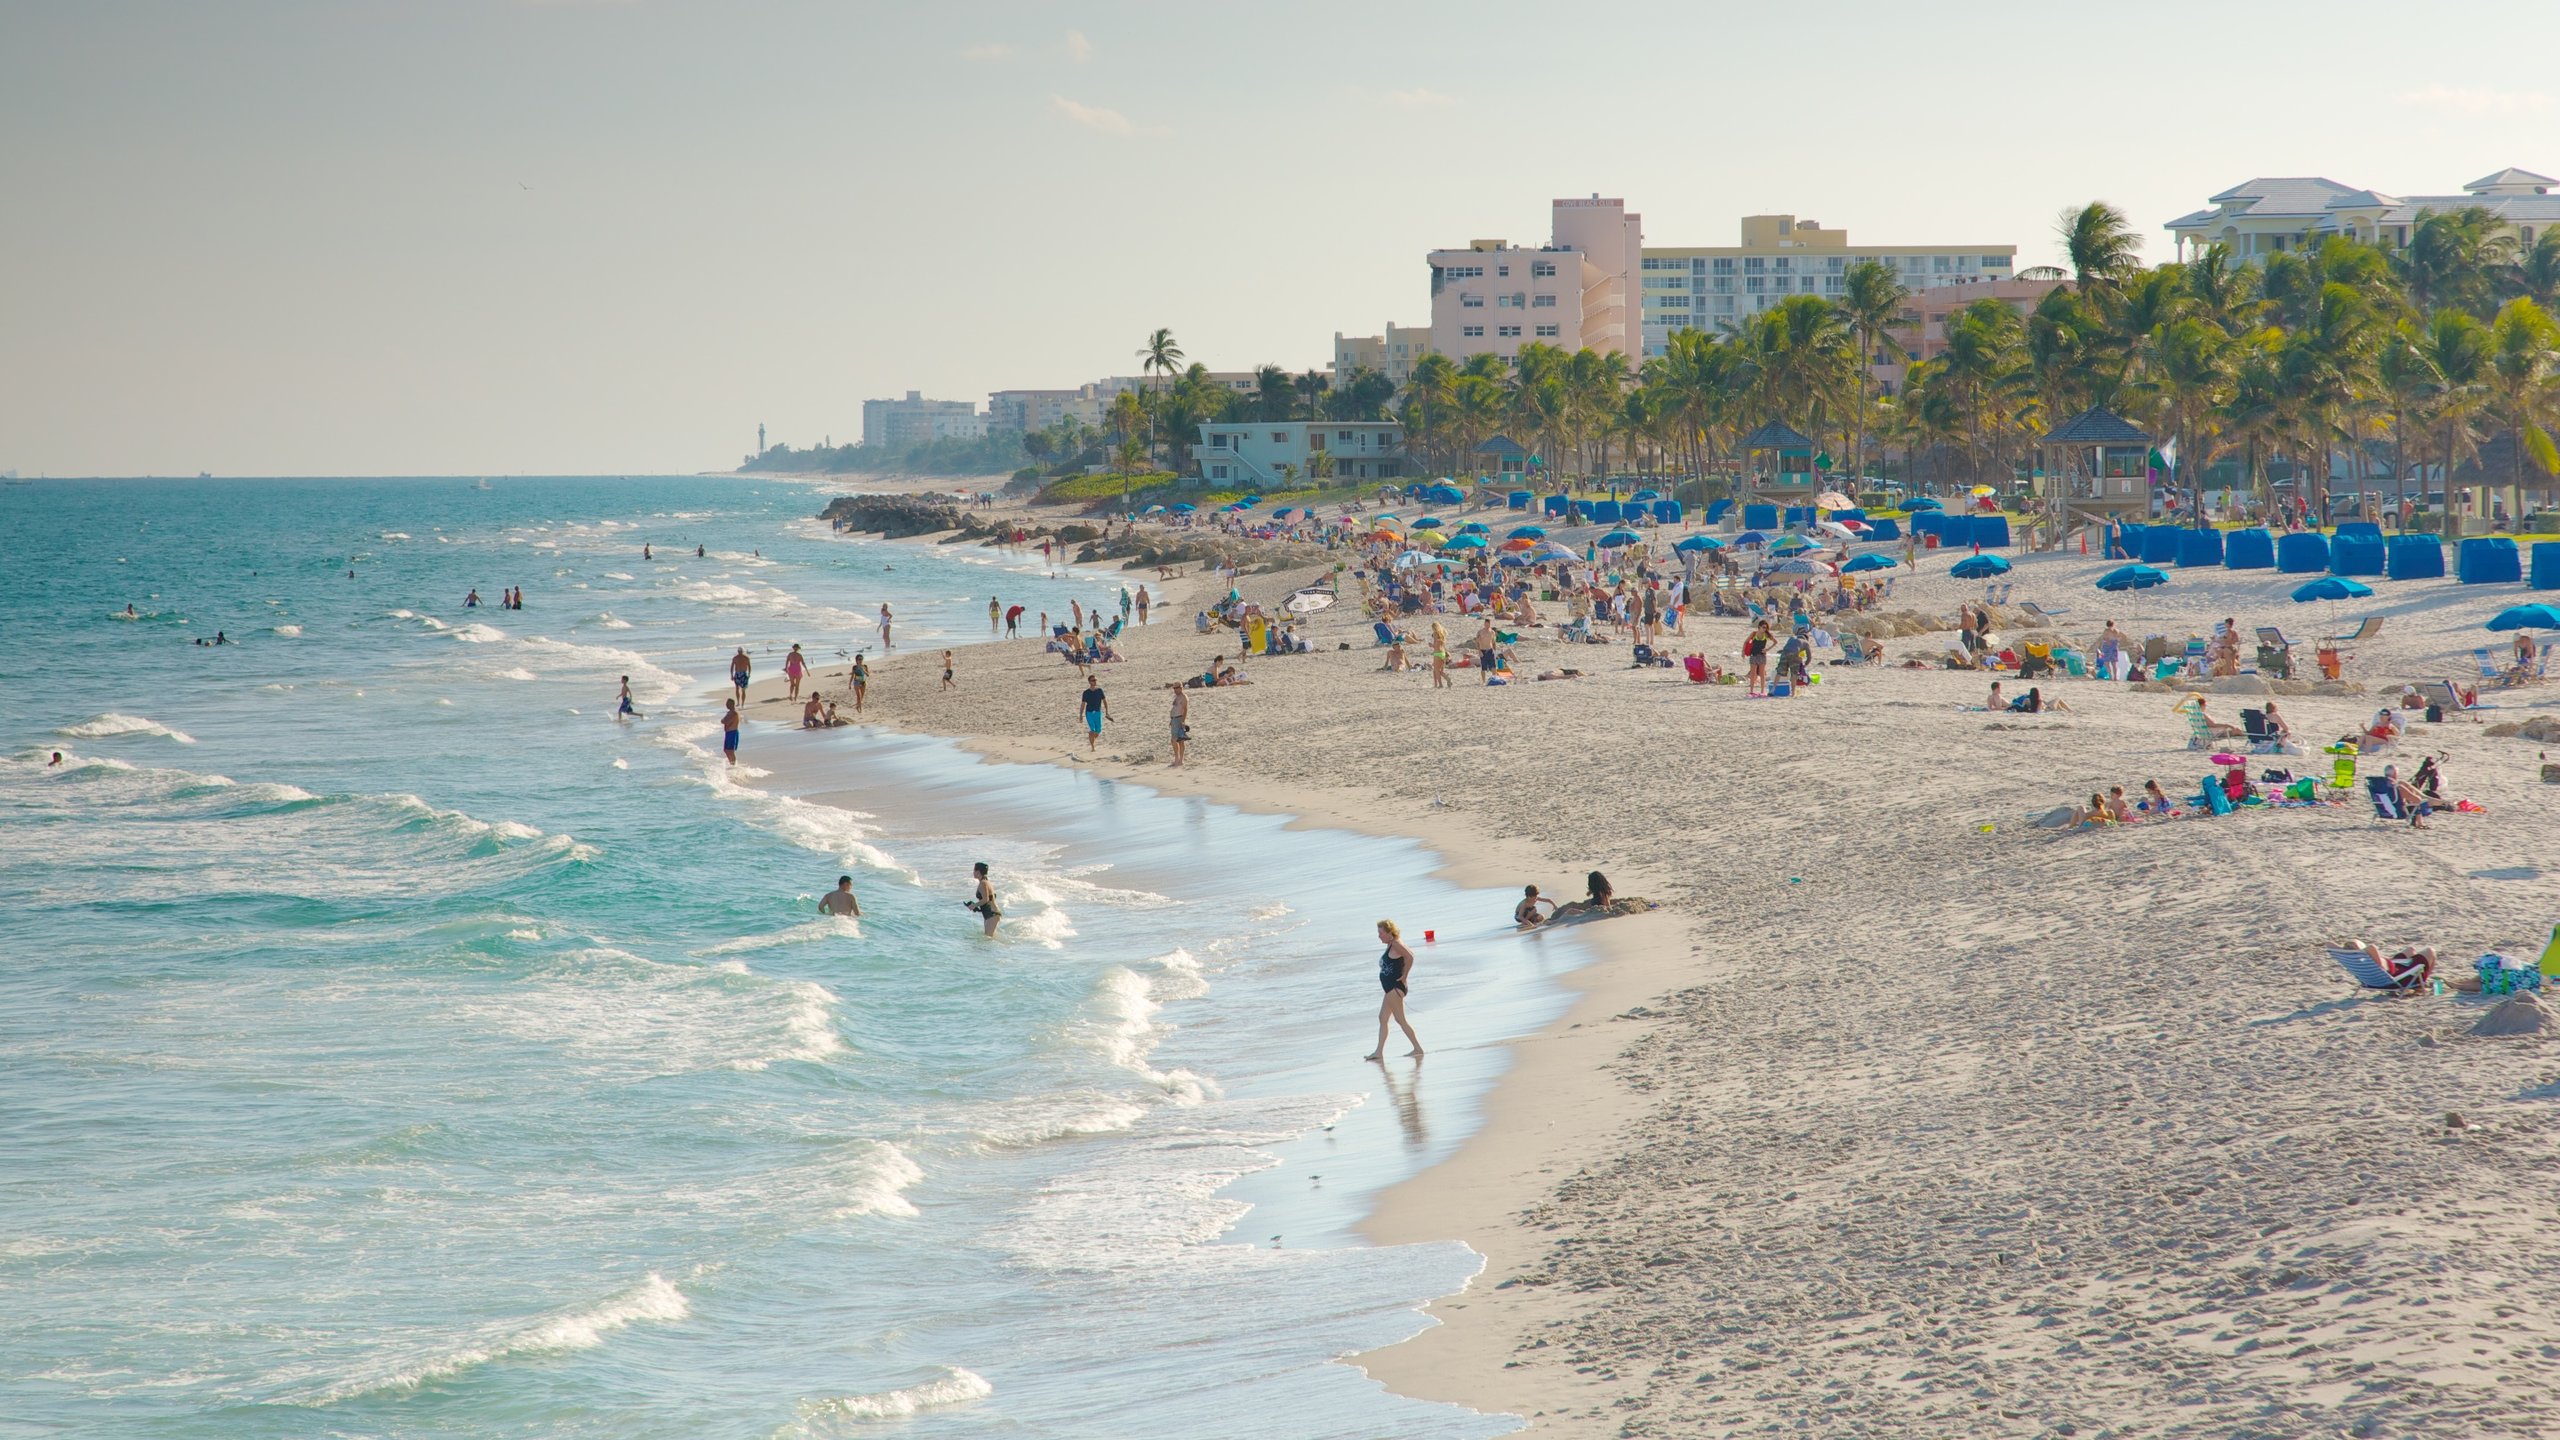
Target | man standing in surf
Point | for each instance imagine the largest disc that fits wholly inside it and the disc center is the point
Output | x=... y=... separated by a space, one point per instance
x=740 y=667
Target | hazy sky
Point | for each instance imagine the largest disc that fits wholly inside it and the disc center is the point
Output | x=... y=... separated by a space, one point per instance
x=469 y=236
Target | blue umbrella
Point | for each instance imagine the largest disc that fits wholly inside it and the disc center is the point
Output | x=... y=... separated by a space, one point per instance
x=1284 y=512
x=1865 y=563
x=1427 y=522
x=1475 y=527
x=1646 y=495
x=1445 y=495
x=2526 y=617
x=2333 y=587
x=1465 y=542
x=1981 y=567
x=1921 y=502
x=1698 y=542
x=1750 y=537
x=1517 y=562
x=1526 y=532
x=1184 y=507
x=1253 y=500
x=2130 y=577
x=1616 y=538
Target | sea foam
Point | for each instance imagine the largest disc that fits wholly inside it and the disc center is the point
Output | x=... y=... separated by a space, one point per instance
x=842 y=1415
x=99 y=727
x=580 y=1328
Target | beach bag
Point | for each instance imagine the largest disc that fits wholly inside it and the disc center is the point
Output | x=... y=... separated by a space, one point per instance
x=2303 y=789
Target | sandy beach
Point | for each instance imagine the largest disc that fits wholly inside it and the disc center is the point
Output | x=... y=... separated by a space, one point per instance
x=1903 y=1116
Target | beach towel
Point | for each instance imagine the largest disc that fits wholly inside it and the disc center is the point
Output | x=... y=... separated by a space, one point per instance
x=2213 y=797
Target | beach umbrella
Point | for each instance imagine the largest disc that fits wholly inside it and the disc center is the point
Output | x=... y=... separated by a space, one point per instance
x=1284 y=512
x=1518 y=562
x=1413 y=558
x=1553 y=551
x=1429 y=522
x=1795 y=567
x=1922 y=502
x=1980 y=491
x=2129 y=577
x=1792 y=545
x=1421 y=536
x=1865 y=563
x=1466 y=542
x=1184 y=507
x=1750 y=537
x=1528 y=532
x=1308 y=602
x=1519 y=544
x=1616 y=538
x=2526 y=617
x=1698 y=542
x=1836 y=528
x=1152 y=510
x=1382 y=517
x=1445 y=495
x=1834 y=500
x=1981 y=567
x=2333 y=587
x=1475 y=527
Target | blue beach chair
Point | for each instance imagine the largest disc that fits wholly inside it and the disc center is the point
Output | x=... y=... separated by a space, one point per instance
x=2370 y=973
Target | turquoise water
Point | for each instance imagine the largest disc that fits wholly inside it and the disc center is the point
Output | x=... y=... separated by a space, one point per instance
x=394 y=1044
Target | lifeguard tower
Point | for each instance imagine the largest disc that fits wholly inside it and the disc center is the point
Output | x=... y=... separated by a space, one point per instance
x=1789 y=477
x=1502 y=458
x=2105 y=474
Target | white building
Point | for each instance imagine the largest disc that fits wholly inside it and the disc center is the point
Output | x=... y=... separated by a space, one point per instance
x=902 y=424
x=2272 y=213
x=1577 y=291
x=1706 y=287
x=1023 y=411
x=1251 y=453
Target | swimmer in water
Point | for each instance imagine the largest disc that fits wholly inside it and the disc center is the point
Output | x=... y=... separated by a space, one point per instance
x=645 y=553
x=623 y=711
x=56 y=760
x=984 y=900
x=128 y=611
x=840 y=901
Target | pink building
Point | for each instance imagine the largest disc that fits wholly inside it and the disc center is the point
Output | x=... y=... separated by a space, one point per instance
x=1577 y=291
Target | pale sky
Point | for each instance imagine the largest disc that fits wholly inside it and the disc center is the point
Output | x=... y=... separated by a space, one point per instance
x=479 y=237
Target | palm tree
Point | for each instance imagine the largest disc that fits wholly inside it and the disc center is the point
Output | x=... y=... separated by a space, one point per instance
x=2191 y=373
x=1311 y=388
x=1427 y=395
x=2451 y=259
x=1871 y=301
x=2524 y=376
x=2456 y=349
x=2102 y=247
x=1160 y=357
x=1274 y=392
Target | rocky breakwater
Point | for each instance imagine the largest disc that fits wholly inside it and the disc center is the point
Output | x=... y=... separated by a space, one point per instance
x=895 y=517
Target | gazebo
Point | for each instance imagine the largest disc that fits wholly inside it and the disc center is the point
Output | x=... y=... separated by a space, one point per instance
x=2111 y=478
x=1791 y=473
x=1503 y=456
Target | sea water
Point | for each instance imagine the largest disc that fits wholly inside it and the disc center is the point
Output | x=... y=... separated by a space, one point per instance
x=395 y=1043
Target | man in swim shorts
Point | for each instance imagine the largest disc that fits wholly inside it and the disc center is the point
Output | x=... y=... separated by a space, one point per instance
x=729 y=722
x=1096 y=710
x=740 y=667
x=840 y=901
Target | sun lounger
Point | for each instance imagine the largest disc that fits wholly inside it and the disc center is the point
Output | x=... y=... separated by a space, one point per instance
x=1997 y=593
x=2442 y=695
x=2371 y=627
x=2043 y=613
x=2370 y=973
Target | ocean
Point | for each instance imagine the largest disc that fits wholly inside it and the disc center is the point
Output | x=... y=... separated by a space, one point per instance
x=393 y=1043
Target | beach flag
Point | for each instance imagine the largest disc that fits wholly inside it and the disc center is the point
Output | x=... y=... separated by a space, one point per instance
x=2164 y=456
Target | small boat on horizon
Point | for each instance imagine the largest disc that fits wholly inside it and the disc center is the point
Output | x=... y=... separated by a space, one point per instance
x=481 y=484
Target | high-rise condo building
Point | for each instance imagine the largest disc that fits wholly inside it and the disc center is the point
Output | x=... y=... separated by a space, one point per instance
x=1710 y=286
x=900 y=424
x=1576 y=291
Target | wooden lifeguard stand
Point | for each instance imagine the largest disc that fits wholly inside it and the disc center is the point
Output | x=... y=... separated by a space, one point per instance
x=1790 y=478
x=2106 y=474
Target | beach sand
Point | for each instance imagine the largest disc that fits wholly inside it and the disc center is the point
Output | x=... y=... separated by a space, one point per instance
x=1904 y=1117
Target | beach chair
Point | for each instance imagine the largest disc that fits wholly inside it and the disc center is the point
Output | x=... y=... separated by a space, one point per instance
x=2263 y=739
x=1997 y=592
x=2489 y=670
x=2155 y=648
x=2200 y=732
x=1386 y=633
x=2194 y=661
x=2442 y=695
x=2385 y=798
x=2371 y=627
x=2073 y=663
x=2043 y=613
x=1696 y=665
x=1853 y=650
x=2038 y=661
x=2371 y=974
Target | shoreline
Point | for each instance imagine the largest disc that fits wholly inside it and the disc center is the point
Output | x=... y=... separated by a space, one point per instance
x=1536 y=1119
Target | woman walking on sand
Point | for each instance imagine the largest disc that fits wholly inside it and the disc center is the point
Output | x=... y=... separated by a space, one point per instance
x=1395 y=974
x=793 y=667
x=1439 y=656
x=858 y=677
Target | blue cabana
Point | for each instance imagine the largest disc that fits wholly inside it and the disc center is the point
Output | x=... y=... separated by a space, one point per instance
x=1799 y=515
x=2355 y=554
x=2160 y=544
x=2199 y=547
x=2489 y=560
x=2304 y=552
x=1605 y=512
x=1852 y=513
x=2362 y=529
x=1955 y=531
x=1666 y=512
x=1887 y=528
x=1927 y=522
x=1759 y=517
x=1717 y=510
x=2546 y=565
x=1555 y=504
x=2414 y=557
x=1519 y=499
x=2125 y=542
x=1991 y=530
x=2251 y=549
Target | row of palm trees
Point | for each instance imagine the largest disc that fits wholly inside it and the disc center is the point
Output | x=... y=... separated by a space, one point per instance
x=2317 y=361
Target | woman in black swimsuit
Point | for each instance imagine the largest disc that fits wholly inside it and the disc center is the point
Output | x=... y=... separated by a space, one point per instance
x=983 y=900
x=1395 y=972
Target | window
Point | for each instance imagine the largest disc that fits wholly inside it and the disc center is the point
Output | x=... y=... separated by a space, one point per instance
x=1754 y=283
x=1665 y=282
x=1343 y=436
x=1724 y=284
x=1699 y=265
x=1507 y=302
x=1938 y=264
x=1463 y=272
x=1507 y=332
x=1315 y=439
x=1834 y=284
x=1217 y=442
x=1753 y=265
x=1995 y=262
x=1783 y=265
x=1546 y=269
x=1914 y=263
x=1542 y=302
x=1650 y=263
x=1470 y=301
x=1472 y=332
x=1836 y=264
x=1547 y=332
x=1217 y=472
x=1674 y=302
x=1724 y=305
x=1724 y=264
x=1279 y=437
